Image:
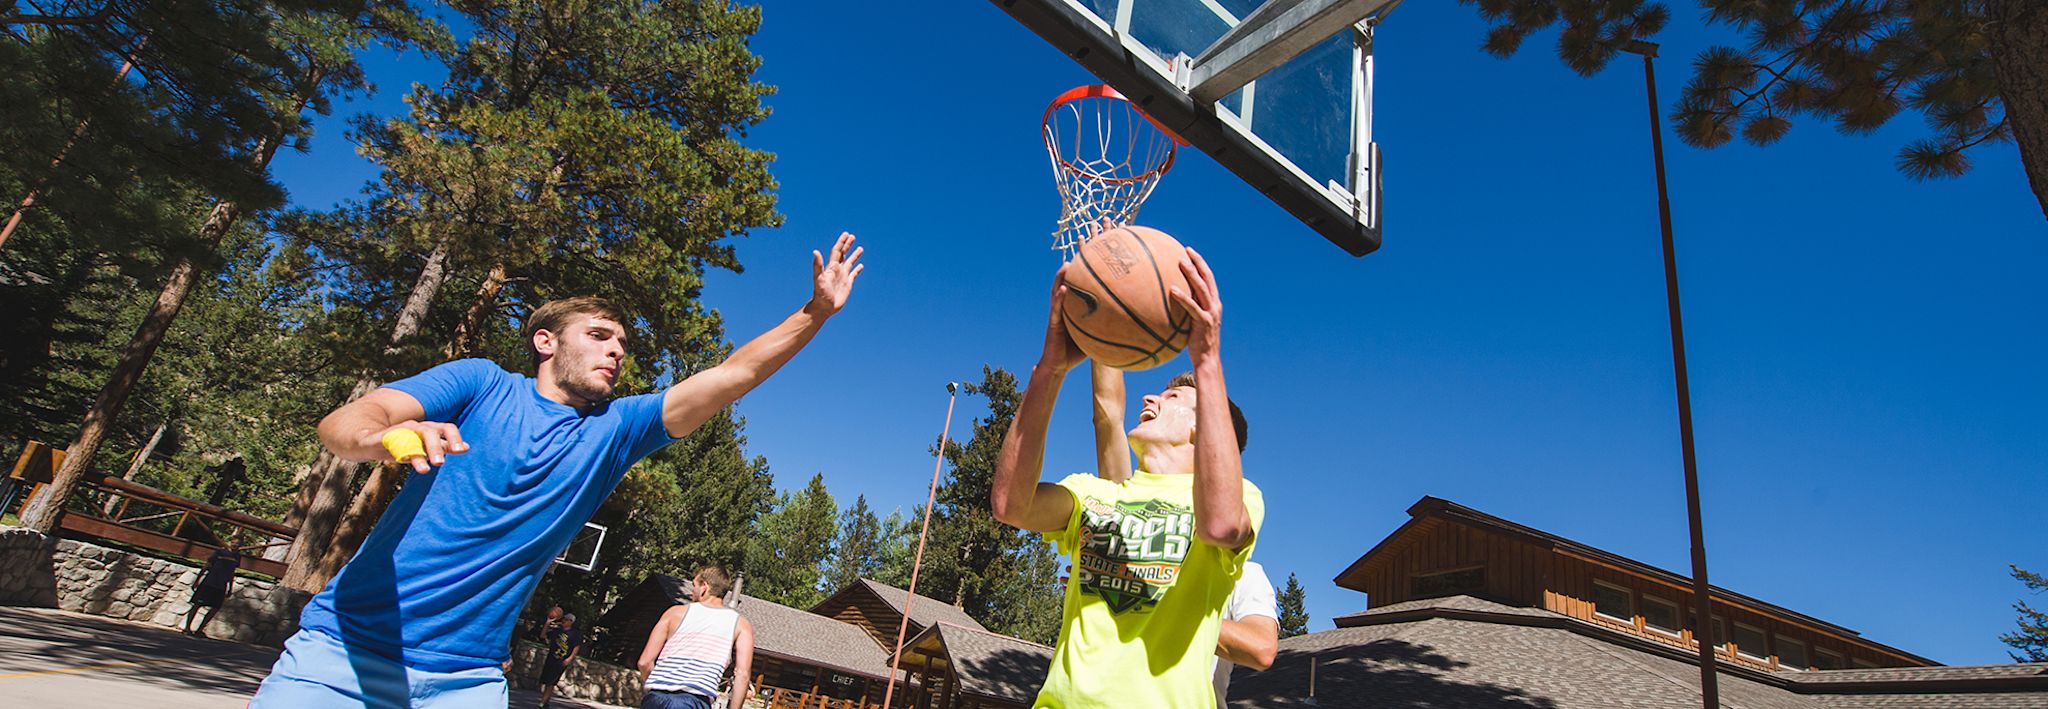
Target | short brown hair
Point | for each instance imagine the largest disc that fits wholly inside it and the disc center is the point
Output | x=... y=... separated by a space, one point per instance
x=715 y=577
x=555 y=315
x=1187 y=379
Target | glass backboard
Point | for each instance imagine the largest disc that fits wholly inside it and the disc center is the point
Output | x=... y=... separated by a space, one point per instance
x=1278 y=92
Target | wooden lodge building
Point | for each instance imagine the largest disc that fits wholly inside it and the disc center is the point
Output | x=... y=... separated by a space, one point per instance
x=1471 y=610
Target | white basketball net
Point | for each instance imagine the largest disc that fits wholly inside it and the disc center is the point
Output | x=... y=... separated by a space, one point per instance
x=1106 y=157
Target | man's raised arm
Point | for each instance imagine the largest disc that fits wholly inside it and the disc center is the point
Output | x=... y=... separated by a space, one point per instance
x=1017 y=497
x=1220 y=516
x=692 y=401
x=1112 y=444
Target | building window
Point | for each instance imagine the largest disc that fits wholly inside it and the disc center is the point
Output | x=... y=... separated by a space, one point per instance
x=1614 y=602
x=1791 y=654
x=1828 y=659
x=1721 y=634
x=1750 y=643
x=1660 y=615
x=1449 y=583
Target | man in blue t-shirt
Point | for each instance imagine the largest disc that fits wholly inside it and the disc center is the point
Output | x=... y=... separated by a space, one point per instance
x=506 y=469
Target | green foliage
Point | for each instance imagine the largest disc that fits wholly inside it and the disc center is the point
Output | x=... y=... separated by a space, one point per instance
x=2030 y=641
x=1006 y=579
x=1857 y=63
x=897 y=548
x=1293 y=602
x=856 y=552
x=787 y=550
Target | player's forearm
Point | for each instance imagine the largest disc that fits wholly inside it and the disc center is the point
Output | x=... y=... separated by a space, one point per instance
x=347 y=432
x=1220 y=517
x=1014 y=491
x=753 y=362
x=1112 y=450
x=1247 y=644
x=740 y=672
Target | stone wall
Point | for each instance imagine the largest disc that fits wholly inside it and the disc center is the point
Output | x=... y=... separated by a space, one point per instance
x=37 y=570
x=584 y=679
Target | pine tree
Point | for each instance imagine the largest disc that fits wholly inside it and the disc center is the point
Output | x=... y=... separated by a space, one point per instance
x=2030 y=640
x=319 y=45
x=897 y=547
x=1293 y=603
x=789 y=545
x=857 y=552
x=1971 y=68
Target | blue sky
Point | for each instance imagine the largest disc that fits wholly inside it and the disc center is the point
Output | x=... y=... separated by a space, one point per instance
x=1865 y=350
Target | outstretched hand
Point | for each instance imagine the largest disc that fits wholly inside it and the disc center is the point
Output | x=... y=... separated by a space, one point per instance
x=1204 y=305
x=1060 y=350
x=832 y=278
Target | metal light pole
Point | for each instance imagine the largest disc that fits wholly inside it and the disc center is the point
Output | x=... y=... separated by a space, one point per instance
x=1703 y=610
x=917 y=561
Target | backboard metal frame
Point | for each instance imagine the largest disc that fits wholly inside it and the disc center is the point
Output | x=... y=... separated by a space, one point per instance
x=583 y=565
x=1182 y=95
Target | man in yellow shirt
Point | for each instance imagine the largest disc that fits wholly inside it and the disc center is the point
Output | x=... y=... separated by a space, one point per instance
x=1155 y=556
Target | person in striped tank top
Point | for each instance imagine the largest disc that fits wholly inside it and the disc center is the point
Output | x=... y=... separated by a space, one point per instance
x=690 y=649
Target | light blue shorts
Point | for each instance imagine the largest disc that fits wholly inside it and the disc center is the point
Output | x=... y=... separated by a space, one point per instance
x=317 y=671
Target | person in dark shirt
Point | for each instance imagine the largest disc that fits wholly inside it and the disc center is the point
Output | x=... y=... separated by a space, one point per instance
x=563 y=642
x=212 y=588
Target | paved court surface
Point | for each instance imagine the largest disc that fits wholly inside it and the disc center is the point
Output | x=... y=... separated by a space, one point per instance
x=52 y=658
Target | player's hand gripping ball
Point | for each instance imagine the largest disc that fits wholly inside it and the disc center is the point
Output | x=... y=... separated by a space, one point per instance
x=1118 y=307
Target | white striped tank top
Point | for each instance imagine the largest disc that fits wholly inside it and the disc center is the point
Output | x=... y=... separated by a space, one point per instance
x=694 y=658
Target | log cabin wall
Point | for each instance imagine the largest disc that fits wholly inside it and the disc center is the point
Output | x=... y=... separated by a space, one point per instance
x=1441 y=558
x=1435 y=555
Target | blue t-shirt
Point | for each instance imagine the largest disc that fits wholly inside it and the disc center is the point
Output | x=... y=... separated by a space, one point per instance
x=440 y=580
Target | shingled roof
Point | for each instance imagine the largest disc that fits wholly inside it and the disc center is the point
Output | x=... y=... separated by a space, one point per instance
x=925 y=611
x=990 y=665
x=1466 y=652
x=813 y=639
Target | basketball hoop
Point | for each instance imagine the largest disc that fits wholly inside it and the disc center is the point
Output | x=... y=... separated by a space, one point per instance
x=1106 y=157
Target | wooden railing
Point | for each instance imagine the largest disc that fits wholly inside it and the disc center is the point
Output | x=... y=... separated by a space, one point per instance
x=137 y=514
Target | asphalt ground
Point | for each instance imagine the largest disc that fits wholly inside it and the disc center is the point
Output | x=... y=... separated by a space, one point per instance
x=53 y=658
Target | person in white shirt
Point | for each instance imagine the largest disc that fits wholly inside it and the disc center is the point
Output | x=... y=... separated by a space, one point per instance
x=1251 y=628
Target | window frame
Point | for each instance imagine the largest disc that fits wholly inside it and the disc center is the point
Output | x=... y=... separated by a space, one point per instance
x=1627 y=594
x=1763 y=655
x=1677 y=625
x=1778 y=643
x=1841 y=660
x=1417 y=594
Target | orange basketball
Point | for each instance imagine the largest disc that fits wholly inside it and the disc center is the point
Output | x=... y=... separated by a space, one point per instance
x=1118 y=308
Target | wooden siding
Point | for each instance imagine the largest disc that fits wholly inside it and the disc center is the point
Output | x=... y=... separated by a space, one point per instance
x=1516 y=571
x=1522 y=572
x=856 y=606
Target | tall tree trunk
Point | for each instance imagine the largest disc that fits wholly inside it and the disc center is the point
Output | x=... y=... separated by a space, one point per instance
x=2018 y=35
x=321 y=496
x=355 y=526
x=469 y=332
x=42 y=513
x=378 y=491
x=135 y=466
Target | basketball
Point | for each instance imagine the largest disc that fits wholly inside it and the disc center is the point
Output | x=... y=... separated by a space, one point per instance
x=1118 y=309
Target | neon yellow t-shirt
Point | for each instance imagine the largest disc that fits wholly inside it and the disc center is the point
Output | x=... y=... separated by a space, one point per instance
x=1145 y=597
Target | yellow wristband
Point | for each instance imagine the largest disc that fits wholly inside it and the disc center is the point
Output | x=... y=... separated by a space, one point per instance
x=404 y=443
